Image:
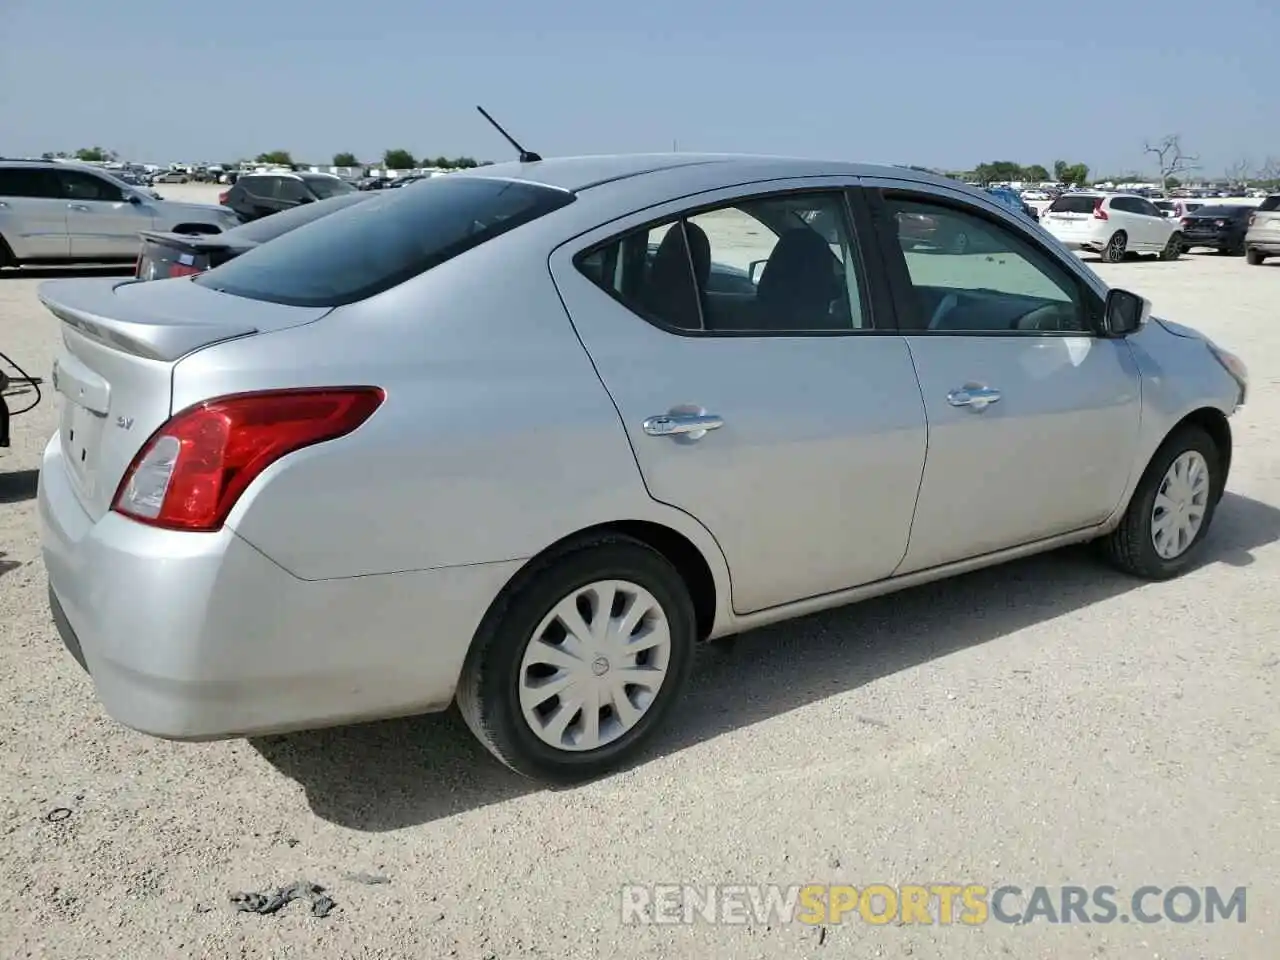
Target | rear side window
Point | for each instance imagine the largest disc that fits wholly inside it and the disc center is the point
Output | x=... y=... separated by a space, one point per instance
x=1073 y=204
x=1269 y=204
x=378 y=244
x=259 y=186
x=28 y=182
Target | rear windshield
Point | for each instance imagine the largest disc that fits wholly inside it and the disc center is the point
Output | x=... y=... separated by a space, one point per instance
x=1220 y=211
x=380 y=243
x=324 y=187
x=1271 y=203
x=277 y=224
x=1073 y=204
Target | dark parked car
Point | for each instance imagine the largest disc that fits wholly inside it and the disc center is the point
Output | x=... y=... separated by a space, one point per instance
x=258 y=195
x=166 y=255
x=1221 y=227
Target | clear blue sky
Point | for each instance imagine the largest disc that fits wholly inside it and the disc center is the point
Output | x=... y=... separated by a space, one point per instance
x=921 y=81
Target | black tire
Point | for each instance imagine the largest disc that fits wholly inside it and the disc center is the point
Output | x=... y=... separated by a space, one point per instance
x=488 y=694
x=1173 y=249
x=1130 y=546
x=1254 y=257
x=1115 y=248
x=7 y=259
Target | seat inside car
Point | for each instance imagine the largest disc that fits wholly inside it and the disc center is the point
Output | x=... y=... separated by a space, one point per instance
x=667 y=292
x=798 y=284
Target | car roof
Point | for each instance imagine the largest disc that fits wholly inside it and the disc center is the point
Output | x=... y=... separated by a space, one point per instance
x=585 y=172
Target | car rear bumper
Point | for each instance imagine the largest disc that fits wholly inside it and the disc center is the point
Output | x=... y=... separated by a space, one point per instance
x=199 y=636
x=1210 y=240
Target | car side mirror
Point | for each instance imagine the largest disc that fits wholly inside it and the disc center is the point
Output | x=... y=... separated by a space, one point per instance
x=305 y=199
x=755 y=270
x=135 y=198
x=1126 y=312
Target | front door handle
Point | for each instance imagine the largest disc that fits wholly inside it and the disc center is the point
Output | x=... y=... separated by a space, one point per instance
x=694 y=426
x=974 y=396
x=78 y=206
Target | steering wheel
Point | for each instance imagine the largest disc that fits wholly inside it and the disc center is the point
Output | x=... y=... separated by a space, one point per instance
x=1049 y=317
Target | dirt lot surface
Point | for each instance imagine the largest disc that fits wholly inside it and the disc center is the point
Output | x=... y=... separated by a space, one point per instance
x=1044 y=723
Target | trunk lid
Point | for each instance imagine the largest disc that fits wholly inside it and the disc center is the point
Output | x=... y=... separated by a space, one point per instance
x=121 y=340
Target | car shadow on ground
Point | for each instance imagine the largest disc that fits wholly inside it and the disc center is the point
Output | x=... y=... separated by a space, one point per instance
x=17 y=486
x=67 y=273
x=397 y=773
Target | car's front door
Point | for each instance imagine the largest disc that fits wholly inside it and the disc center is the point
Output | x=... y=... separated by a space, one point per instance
x=772 y=410
x=1033 y=417
x=33 y=215
x=101 y=222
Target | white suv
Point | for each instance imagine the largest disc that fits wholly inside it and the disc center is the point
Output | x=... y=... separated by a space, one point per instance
x=1112 y=225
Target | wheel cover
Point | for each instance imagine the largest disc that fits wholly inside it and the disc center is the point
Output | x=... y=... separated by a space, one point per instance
x=1181 y=501
x=1116 y=247
x=594 y=666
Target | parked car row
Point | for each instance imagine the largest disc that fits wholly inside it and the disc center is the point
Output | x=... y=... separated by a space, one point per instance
x=1113 y=225
x=549 y=425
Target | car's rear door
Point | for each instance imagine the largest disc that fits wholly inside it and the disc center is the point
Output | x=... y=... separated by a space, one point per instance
x=33 y=215
x=783 y=418
x=1033 y=417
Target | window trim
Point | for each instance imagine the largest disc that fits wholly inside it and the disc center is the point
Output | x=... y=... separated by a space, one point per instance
x=898 y=276
x=839 y=191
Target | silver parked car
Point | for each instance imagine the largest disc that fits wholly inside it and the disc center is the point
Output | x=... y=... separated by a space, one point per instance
x=57 y=213
x=505 y=438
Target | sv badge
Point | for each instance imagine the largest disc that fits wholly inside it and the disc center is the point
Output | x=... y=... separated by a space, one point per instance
x=124 y=423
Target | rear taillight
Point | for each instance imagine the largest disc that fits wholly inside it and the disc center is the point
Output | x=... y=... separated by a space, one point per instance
x=1098 y=212
x=1219 y=223
x=1185 y=222
x=182 y=270
x=191 y=472
x=222 y=197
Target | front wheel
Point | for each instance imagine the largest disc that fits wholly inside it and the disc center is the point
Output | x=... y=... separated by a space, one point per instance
x=578 y=665
x=1173 y=249
x=1254 y=257
x=1171 y=509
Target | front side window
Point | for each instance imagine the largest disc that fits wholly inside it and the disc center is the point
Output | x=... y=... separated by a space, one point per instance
x=995 y=281
x=85 y=186
x=292 y=190
x=781 y=264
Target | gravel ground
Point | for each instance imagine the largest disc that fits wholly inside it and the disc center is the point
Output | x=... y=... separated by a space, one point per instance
x=1043 y=723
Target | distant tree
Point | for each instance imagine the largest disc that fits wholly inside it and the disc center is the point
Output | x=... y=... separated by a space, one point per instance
x=1035 y=172
x=464 y=163
x=1238 y=172
x=94 y=154
x=345 y=160
x=1070 y=174
x=1168 y=153
x=398 y=160
x=997 y=170
x=444 y=163
x=280 y=158
x=1269 y=170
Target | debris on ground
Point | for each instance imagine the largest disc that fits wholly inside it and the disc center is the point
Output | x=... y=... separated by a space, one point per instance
x=271 y=901
x=369 y=878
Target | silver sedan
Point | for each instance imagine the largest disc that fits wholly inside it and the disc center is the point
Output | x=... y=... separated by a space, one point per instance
x=521 y=437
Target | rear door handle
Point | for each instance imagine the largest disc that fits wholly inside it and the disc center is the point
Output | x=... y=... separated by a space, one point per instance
x=78 y=206
x=691 y=425
x=973 y=395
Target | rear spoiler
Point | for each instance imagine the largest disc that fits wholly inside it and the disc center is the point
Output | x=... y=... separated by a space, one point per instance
x=192 y=242
x=86 y=305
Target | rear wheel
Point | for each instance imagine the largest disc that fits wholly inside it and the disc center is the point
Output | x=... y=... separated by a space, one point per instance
x=1171 y=509
x=1115 y=249
x=7 y=259
x=1173 y=249
x=578 y=664
x=1254 y=257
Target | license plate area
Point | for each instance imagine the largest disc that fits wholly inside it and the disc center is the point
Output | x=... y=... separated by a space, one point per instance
x=81 y=436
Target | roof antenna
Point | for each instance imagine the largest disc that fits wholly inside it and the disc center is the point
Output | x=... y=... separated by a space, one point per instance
x=526 y=156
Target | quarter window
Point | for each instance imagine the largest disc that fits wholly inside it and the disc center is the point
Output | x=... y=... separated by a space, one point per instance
x=28 y=182
x=784 y=264
x=969 y=274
